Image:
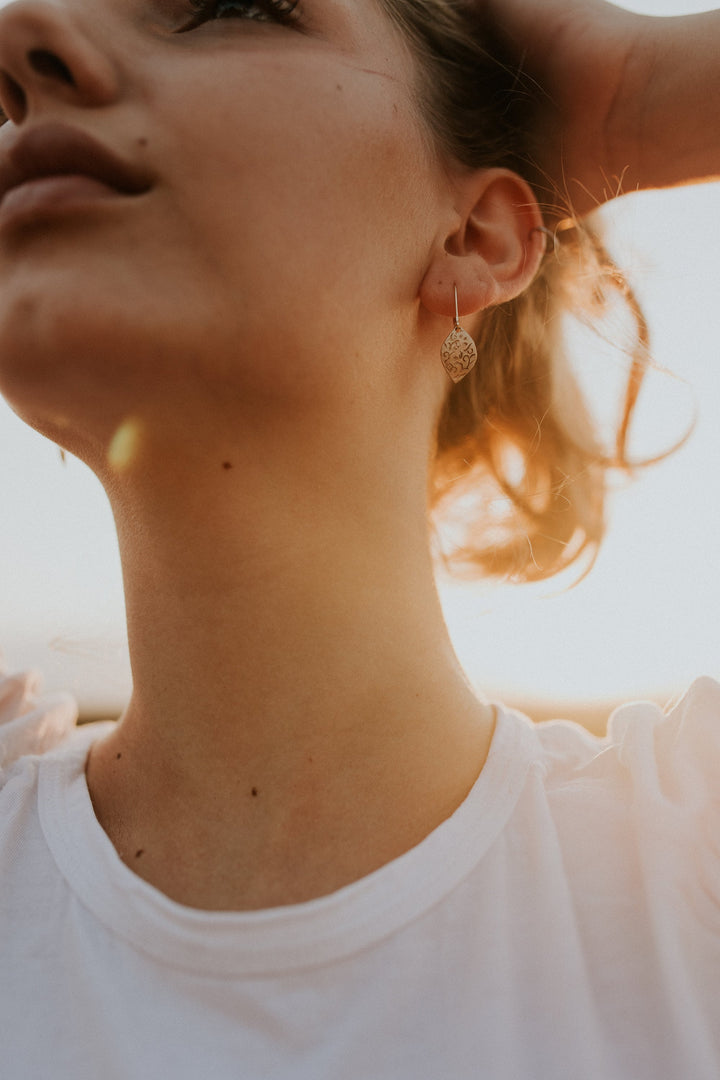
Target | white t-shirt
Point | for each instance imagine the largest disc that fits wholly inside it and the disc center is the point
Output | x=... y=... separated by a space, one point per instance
x=563 y=923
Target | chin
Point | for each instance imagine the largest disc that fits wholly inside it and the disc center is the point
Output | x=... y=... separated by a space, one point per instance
x=54 y=373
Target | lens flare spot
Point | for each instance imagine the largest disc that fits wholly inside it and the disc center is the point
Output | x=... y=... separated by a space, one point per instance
x=124 y=445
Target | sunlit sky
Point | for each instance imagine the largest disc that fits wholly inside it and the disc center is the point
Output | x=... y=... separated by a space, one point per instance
x=644 y=622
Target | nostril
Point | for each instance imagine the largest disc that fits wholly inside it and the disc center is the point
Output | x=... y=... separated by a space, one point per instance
x=13 y=96
x=51 y=66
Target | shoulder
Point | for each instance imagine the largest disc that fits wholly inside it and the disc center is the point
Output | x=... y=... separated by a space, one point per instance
x=672 y=752
x=652 y=783
x=648 y=793
x=30 y=723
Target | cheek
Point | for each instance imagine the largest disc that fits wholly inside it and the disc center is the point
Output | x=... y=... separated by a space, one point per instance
x=266 y=264
x=311 y=222
x=311 y=154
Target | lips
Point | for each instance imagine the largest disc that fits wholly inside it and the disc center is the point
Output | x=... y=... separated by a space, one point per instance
x=58 y=150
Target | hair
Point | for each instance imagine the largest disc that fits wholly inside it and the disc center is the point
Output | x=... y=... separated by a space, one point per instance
x=519 y=471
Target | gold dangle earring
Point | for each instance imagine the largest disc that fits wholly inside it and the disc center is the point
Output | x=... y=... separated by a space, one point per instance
x=459 y=354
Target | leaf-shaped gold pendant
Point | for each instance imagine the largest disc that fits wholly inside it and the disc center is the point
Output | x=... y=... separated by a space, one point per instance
x=459 y=354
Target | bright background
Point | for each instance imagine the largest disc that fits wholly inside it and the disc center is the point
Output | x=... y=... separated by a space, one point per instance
x=644 y=623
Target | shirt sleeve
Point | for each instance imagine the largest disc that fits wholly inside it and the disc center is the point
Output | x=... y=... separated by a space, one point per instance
x=31 y=723
x=673 y=761
x=675 y=756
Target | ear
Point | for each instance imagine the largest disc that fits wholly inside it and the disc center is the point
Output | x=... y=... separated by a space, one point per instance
x=492 y=250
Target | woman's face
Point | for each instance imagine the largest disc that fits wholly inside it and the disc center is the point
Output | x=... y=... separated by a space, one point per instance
x=284 y=216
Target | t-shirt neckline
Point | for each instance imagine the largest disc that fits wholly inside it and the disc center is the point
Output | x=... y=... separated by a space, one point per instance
x=282 y=939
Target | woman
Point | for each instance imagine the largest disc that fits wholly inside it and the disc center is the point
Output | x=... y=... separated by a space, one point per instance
x=234 y=236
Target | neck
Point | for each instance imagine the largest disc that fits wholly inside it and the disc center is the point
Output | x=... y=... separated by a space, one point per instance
x=289 y=665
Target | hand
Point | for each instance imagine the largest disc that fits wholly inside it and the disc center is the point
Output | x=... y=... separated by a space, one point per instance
x=582 y=53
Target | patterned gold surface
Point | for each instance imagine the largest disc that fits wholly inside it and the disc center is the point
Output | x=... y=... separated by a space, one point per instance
x=459 y=354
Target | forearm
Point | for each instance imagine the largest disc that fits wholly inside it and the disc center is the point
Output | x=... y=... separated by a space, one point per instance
x=625 y=101
x=665 y=124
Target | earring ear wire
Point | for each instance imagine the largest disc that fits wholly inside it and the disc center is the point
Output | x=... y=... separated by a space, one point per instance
x=459 y=352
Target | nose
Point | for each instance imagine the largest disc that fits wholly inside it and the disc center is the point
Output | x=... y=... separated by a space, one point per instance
x=46 y=57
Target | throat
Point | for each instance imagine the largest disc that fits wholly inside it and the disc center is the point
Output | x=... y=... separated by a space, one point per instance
x=247 y=845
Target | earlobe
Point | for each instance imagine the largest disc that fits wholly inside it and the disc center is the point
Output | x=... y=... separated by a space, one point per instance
x=496 y=251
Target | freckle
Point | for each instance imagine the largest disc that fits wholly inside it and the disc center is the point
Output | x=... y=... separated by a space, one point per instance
x=139 y=852
x=338 y=87
x=227 y=464
x=254 y=792
x=142 y=141
x=310 y=759
x=118 y=756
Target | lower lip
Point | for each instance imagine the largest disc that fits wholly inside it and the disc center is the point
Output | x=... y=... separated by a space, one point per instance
x=47 y=195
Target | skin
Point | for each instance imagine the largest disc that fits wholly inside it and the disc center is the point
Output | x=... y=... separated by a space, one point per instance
x=248 y=357
x=630 y=100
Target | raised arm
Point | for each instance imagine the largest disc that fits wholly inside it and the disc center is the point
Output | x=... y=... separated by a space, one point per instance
x=633 y=101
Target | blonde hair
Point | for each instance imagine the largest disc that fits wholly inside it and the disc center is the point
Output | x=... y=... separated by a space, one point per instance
x=518 y=467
